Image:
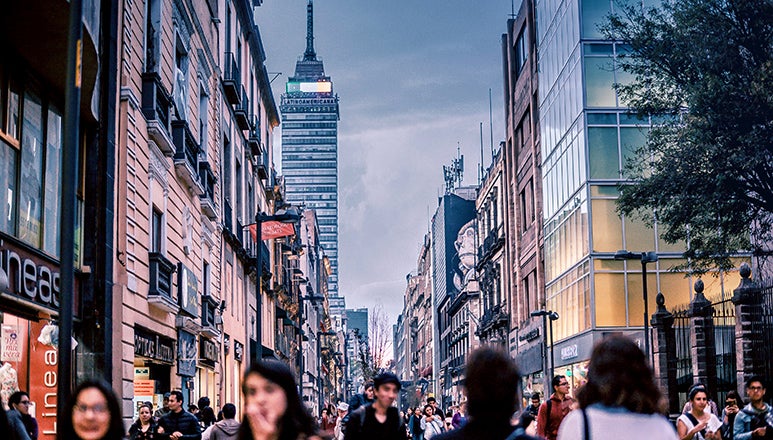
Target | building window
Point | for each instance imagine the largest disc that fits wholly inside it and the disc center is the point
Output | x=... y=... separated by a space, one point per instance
x=152 y=34
x=203 y=120
x=205 y=278
x=157 y=231
x=521 y=53
x=181 y=78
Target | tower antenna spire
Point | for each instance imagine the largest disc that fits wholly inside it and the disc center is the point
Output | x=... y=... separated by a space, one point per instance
x=310 y=54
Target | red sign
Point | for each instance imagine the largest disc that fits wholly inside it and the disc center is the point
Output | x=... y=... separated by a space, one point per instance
x=272 y=229
x=43 y=368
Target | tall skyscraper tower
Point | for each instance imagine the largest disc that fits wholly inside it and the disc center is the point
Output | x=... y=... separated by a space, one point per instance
x=310 y=147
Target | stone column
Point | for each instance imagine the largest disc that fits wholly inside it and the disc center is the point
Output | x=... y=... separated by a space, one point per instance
x=702 y=348
x=664 y=352
x=748 y=342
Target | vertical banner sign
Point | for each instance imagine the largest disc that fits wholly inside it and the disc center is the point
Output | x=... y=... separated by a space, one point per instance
x=44 y=360
x=11 y=344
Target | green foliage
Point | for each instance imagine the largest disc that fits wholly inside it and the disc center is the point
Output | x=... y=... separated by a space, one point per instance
x=703 y=70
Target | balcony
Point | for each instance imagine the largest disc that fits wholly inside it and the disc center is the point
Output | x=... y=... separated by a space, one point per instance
x=242 y=111
x=263 y=167
x=232 y=83
x=160 y=289
x=186 y=157
x=207 y=181
x=493 y=318
x=210 y=320
x=156 y=105
x=253 y=139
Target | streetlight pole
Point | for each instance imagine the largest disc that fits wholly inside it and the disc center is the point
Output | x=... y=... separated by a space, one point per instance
x=644 y=257
x=552 y=316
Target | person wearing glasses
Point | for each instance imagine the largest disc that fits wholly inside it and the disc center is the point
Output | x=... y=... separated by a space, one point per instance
x=19 y=406
x=554 y=409
x=754 y=421
x=95 y=414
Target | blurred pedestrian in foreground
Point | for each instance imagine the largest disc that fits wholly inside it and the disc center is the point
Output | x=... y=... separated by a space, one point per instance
x=378 y=420
x=272 y=408
x=620 y=399
x=492 y=385
x=94 y=414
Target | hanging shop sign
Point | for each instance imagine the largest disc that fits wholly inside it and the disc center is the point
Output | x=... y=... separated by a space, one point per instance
x=11 y=349
x=208 y=352
x=186 y=353
x=153 y=346
x=32 y=279
x=188 y=292
x=44 y=361
x=238 y=350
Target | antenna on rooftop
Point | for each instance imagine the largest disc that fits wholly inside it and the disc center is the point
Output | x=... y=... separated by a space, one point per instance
x=454 y=173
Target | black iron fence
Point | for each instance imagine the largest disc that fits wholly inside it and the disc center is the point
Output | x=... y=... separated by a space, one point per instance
x=724 y=327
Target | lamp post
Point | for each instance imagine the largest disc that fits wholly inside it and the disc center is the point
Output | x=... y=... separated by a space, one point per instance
x=644 y=257
x=552 y=316
x=289 y=215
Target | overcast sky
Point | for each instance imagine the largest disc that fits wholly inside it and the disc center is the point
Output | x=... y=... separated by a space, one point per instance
x=413 y=78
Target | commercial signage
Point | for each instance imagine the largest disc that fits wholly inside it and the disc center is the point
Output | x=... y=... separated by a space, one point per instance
x=11 y=344
x=529 y=336
x=153 y=346
x=186 y=353
x=31 y=278
x=309 y=86
x=208 y=352
x=238 y=350
x=44 y=361
x=188 y=292
x=569 y=352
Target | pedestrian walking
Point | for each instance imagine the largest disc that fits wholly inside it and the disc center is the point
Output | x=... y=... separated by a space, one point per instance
x=272 y=407
x=378 y=420
x=554 y=409
x=491 y=386
x=460 y=417
x=431 y=423
x=755 y=420
x=711 y=406
x=93 y=414
x=620 y=399
x=728 y=414
x=145 y=427
x=179 y=424
x=19 y=406
x=228 y=428
x=699 y=423
x=414 y=424
x=343 y=410
x=164 y=410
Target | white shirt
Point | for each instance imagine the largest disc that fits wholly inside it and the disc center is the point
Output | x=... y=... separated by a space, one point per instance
x=713 y=425
x=614 y=423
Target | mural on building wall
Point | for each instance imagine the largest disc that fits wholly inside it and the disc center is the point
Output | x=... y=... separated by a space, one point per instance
x=465 y=255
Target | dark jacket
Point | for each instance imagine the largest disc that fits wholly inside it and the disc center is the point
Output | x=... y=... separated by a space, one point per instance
x=135 y=431
x=184 y=422
x=484 y=430
x=362 y=425
x=18 y=430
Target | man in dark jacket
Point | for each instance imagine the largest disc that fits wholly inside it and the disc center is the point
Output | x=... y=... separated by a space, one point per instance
x=378 y=420
x=359 y=400
x=179 y=423
x=491 y=382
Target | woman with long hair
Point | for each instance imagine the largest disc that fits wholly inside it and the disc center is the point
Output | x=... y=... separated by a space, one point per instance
x=272 y=408
x=699 y=423
x=145 y=427
x=620 y=398
x=93 y=414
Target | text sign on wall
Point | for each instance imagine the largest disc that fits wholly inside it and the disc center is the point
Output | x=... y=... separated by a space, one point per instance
x=44 y=360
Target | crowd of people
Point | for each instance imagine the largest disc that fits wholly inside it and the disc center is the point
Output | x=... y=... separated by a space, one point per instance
x=620 y=400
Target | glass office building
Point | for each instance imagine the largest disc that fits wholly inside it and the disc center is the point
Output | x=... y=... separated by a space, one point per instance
x=586 y=137
x=310 y=148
